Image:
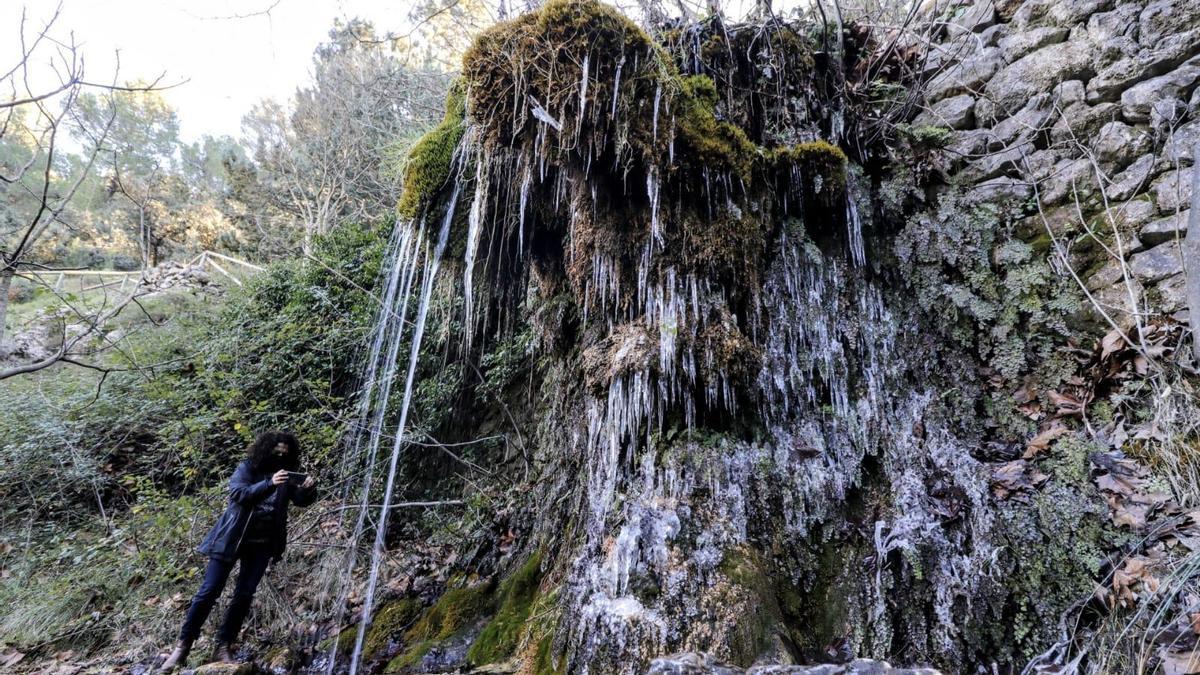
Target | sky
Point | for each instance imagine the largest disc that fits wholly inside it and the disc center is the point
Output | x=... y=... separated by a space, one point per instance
x=224 y=65
x=224 y=55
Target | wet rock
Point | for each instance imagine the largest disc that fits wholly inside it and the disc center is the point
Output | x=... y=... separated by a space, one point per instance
x=1118 y=144
x=1173 y=190
x=1130 y=181
x=1157 y=263
x=1137 y=101
x=1166 y=229
x=956 y=112
x=969 y=75
x=1036 y=73
x=1019 y=44
x=1163 y=18
x=703 y=664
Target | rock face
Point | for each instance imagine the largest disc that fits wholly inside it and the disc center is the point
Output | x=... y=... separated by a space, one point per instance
x=703 y=664
x=1096 y=108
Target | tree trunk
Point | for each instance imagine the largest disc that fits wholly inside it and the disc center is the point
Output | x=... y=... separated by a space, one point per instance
x=1191 y=255
x=6 y=277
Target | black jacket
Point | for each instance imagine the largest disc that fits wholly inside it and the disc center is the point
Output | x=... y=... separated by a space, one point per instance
x=247 y=488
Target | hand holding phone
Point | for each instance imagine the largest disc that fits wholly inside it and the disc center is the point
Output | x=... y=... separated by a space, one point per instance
x=297 y=479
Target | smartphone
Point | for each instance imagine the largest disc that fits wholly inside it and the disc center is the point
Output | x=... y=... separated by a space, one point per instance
x=296 y=478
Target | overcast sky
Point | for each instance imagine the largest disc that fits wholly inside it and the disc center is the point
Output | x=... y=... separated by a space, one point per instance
x=232 y=53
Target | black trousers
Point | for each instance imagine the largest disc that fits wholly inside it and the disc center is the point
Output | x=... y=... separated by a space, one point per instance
x=254 y=560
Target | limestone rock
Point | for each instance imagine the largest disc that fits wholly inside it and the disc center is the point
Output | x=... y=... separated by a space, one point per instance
x=1116 y=302
x=1182 y=143
x=1071 y=179
x=1173 y=190
x=1137 y=101
x=992 y=36
x=1157 y=263
x=999 y=190
x=1163 y=18
x=1071 y=91
x=1115 y=49
x=1122 y=21
x=1155 y=60
x=1025 y=124
x=972 y=19
x=1166 y=229
x=1130 y=181
x=1037 y=73
x=956 y=112
x=1069 y=12
x=995 y=164
x=1172 y=293
x=1081 y=121
x=1133 y=215
x=1118 y=144
x=1019 y=44
x=969 y=75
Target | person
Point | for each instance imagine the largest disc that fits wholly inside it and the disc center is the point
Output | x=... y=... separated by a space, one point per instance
x=251 y=532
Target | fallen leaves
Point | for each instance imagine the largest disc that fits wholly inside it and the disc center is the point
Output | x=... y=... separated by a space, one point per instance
x=1127 y=489
x=1016 y=476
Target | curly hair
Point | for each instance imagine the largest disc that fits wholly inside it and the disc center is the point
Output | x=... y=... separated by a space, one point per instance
x=261 y=453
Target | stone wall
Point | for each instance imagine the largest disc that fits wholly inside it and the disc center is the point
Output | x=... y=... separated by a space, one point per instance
x=1082 y=113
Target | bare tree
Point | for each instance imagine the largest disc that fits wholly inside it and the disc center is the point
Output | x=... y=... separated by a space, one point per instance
x=37 y=183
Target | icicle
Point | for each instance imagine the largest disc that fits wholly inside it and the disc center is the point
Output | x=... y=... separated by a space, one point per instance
x=583 y=87
x=475 y=221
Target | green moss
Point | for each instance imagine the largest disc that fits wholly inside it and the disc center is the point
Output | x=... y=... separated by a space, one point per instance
x=927 y=137
x=821 y=163
x=708 y=143
x=457 y=609
x=427 y=169
x=502 y=634
x=545 y=661
x=388 y=622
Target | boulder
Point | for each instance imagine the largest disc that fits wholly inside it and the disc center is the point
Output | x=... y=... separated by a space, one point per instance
x=1122 y=21
x=1130 y=181
x=1081 y=121
x=1116 y=302
x=1029 y=122
x=1019 y=44
x=968 y=75
x=1131 y=216
x=1182 y=143
x=1071 y=91
x=1113 y=79
x=992 y=36
x=1071 y=12
x=971 y=19
x=1172 y=293
x=1036 y=73
x=956 y=112
x=1118 y=144
x=995 y=164
x=1160 y=231
x=1157 y=263
x=1070 y=180
x=1173 y=190
x=1138 y=100
x=1115 y=49
x=1164 y=18
x=1167 y=113
x=999 y=190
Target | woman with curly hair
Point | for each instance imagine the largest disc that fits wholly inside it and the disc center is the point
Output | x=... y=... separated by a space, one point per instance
x=252 y=531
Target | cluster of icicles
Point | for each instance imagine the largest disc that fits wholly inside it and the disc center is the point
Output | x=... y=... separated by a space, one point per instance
x=828 y=386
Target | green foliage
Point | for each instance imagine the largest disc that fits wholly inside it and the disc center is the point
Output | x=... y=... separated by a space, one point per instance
x=502 y=634
x=505 y=362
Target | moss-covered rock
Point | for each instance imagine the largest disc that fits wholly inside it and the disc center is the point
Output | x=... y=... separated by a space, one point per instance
x=456 y=610
x=387 y=624
x=501 y=636
x=427 y=169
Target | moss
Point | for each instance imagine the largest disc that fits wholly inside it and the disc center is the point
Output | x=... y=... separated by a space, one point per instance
x=927 y=137
x=500 y=637
x=545 y=661
x=429 y=163
x=708 y=143
x=821 y=163
x=457 y=609
x=388 y=622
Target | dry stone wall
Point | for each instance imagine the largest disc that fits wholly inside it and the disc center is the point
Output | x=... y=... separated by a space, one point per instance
x=1083 y=113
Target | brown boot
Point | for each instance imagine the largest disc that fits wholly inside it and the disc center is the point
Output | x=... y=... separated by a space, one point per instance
x=222 y=653
x=178 y=657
